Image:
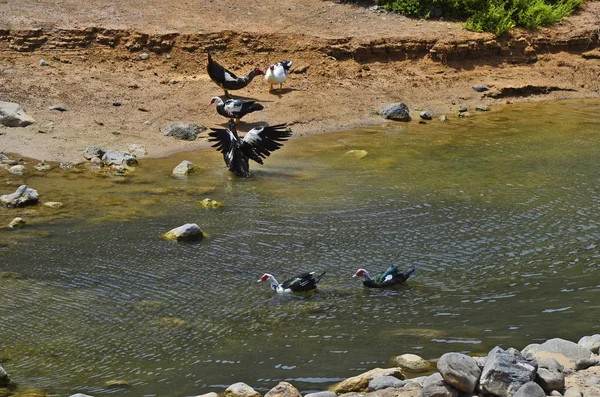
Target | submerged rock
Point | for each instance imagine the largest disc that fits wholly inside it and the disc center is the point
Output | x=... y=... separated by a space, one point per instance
x=17 y=222
x=357 y=154
x=13 y=115
x=17 y=169
x=22 y=197
x=395 y=111
x=209 y=203
x=187 y=232
x=184 y=131
x=53 y=204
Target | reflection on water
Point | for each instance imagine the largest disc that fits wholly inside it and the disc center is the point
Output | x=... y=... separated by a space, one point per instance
x=499 y=214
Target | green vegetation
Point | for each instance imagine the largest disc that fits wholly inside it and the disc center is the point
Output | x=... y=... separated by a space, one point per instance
x=496 y=16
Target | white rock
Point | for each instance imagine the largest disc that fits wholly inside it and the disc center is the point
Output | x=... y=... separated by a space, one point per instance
x=13 y=115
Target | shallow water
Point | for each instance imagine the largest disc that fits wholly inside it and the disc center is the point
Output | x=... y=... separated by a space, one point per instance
x=499 y=213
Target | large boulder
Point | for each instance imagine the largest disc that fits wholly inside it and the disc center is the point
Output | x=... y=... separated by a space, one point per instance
x=460 y=371
x=241 y=389
x=590 y=342
x=530 y=389
x=22 y=197
x=411 y=362
x=13 y=115
x=184 y=131
x=187 y=232
x=505 y=372
x=565 y=352
x=360 y=383
x=115 y=157
x=395 y=111
x=283 y=389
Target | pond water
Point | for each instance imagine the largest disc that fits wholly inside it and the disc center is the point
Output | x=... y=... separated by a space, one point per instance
x=499 y=213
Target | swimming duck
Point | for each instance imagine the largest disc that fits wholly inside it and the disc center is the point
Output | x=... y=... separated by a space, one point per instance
x=228 y=80
x=391 y=276
x=277 y=73
x=235 y=108
x=257 y=144
x=300 y=283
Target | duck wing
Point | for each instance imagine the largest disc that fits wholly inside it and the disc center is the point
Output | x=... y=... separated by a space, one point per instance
x=239 y=108
x=259 y=142
x=226 y=141
x=303 y=282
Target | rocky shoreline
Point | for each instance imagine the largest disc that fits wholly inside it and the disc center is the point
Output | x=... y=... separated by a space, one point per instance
x=556 y=367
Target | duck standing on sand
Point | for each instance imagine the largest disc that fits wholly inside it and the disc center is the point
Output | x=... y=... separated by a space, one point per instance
x=257 y=144
x=300 y=283
x=390 y=277
x=235 y=108
x=277 y=73
x=228 y=80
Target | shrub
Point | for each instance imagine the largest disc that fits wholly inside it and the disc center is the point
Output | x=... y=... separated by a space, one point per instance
x=496 y=16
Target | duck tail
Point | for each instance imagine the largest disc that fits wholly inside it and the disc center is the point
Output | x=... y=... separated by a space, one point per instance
x=410 y=271
x=319 y=277
x=255 y=107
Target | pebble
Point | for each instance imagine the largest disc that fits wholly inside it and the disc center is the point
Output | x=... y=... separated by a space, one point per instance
x=43 y=63
x=116 y=103
x=462 y=109
x=60 y=108
x=425 y=115
x=482 y=108
x=480 y=88
x=443 y=118
x=144 y=56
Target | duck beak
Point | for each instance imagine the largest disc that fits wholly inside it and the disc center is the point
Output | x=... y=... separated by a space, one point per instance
x=259 y=280
x=354 y=275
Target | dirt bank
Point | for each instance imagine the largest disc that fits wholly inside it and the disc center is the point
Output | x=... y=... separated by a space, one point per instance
x=348 y=60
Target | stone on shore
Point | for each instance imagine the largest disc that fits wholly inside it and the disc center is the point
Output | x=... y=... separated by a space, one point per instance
x=116 y=157
x=459 y=371
x=435 y=386
x=184 y=168
x=360 y=383
x=22 y=197
x=93 y=151
x=411 y=363
x=13 y=115
x=530 y=389
x=590 y=342
x=187 y=232
x=585 y=363
x=550 y=375
x=385 y=382
x=425 y=115
x=211 y=394
x=184 y=131
x=283 y=389
x=137 y=150
x=396 y=112
x=241 y=389
x=321 y=394
x=505 y=372
x=565 y=352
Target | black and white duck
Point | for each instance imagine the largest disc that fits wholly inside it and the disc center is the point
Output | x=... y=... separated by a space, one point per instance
x=235 y=108
x=277 y=74
x=300 y=283
x=390 y=277
x=228 y=80
x=257 y=144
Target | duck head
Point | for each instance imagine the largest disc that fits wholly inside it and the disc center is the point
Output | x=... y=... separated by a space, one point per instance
x=216 y=99
x=259 y=72
x=264 y=277
x=361 y=273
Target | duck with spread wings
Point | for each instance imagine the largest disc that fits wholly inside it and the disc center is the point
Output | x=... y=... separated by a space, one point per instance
x=257 y=144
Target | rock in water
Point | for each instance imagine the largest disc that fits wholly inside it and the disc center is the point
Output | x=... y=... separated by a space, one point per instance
x=283 y=389
x=187 y=232
x=115 y=157
x=22 y=197
x=184 y=168
x=184 y=131
x=241 y=389
x=505 y=372
x=13 y=115
x=395 y=111
x=360 y=382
